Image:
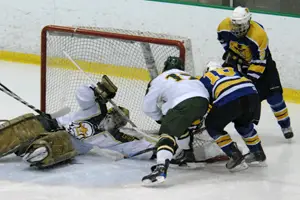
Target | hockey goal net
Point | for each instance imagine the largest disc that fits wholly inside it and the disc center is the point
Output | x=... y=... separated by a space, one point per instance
x=129 y=58
x=121 y=54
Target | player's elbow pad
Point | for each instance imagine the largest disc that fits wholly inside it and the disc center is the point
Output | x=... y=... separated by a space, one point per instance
x=255 y=71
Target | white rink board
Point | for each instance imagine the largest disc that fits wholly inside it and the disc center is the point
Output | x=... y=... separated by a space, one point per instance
x=23 y=22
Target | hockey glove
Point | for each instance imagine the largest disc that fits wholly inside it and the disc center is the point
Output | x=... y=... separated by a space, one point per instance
x=231 y=59
x=105 y=90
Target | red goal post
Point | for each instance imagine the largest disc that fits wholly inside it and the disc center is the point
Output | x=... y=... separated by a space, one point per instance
x=99 y=51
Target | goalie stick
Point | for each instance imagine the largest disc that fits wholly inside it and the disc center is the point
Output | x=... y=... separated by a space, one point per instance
x=10 y=93
x=197 y=140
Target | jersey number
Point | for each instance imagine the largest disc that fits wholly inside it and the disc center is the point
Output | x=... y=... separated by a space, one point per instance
x=180 y=77
x=225 y=72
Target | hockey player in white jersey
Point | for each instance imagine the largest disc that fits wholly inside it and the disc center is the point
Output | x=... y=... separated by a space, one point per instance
x=45 y=142
x=175 y=100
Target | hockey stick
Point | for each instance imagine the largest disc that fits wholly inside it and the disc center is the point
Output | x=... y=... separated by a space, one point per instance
x=7 y=91
x=215 y=159
x=140 y=152
x=115 y=155
x=109 y=100
x=13 y=95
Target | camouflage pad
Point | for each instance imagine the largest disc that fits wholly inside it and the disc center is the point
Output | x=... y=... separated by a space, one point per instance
x=20 y=131
x=59 y=146
x=108 y=84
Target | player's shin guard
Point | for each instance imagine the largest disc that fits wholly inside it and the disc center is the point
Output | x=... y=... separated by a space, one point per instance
x=253 y=142
x=280 y=111
x=51 y=149
x=18 y=133
x=166 y=146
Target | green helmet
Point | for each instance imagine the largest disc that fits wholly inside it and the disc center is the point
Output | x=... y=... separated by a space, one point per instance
x=173 y=63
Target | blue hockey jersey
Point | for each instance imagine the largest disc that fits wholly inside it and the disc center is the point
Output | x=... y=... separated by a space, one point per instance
x=225 y=85
x=253 y=48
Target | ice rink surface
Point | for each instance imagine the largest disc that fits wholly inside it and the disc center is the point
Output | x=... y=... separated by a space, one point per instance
x=94 y=177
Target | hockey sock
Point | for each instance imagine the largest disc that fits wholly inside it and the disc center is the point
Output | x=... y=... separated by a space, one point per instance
x=166 y=147
x=184 y=141
x=280 y=110
x=250 y=137
x=223 y=140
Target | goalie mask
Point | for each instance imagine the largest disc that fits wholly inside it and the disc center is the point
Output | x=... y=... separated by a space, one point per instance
x=173 y=63
x=113 y=119
x=240 y=21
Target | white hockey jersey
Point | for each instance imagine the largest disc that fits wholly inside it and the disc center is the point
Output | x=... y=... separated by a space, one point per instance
x=169 y=89
x=84 y=125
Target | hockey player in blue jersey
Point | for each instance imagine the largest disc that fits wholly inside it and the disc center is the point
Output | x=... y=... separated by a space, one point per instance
x=246 y=47
x=233 y=99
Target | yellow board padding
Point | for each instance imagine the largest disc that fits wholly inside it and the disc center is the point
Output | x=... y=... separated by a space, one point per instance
x=20 y=57
x=290 y=95
x=100 y=68
x=92 y=67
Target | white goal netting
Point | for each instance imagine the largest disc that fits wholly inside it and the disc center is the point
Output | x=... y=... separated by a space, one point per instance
x=120 y=54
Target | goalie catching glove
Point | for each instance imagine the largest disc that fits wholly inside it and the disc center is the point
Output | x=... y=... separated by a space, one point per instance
x=105 y=90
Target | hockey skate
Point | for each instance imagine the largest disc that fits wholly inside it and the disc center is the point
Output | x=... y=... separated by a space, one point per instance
x=288 y=132
x=158 y=174
x=256 y=158
x=236 y=160
x=186 y=159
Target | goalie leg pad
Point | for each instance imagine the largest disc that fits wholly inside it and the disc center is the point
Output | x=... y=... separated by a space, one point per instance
x=19 y=133
x=51 y=149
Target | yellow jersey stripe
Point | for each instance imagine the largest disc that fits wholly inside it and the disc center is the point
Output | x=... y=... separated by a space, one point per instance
x=257 y=68
x=225 y=25
x=226 y=84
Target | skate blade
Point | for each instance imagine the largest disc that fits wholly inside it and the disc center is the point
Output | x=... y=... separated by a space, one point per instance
x=188 y=166
x=240 y=167
x=258 y=164
x=37 y=155
x=149 y=183
x=195 y=165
